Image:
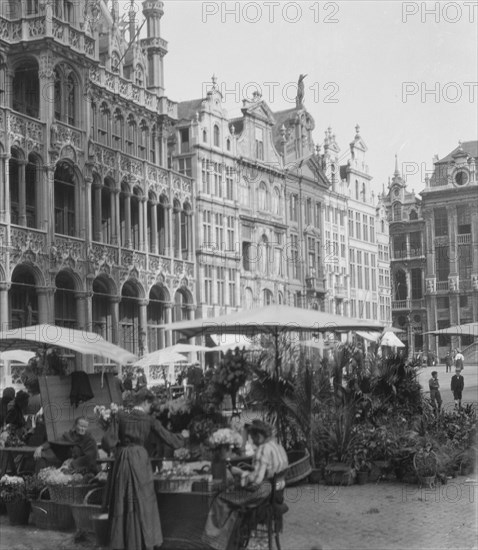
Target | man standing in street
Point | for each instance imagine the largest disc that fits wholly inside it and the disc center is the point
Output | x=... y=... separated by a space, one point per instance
x=457 y=385
x=448 y=361
x=435 y=396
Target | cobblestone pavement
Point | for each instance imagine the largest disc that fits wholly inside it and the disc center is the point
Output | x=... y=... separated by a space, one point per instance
x=383 y=516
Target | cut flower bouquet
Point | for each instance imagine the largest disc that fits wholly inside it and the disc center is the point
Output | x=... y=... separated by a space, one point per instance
x=105 y=416
x=225 y=437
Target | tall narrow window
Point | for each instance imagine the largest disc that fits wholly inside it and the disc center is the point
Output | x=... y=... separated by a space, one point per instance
x=64 y=197
x=259 y=144
x=216 y=135
x=26 y=89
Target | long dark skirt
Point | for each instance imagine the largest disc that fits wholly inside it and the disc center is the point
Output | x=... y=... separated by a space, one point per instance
x=133 y=508
x=223 y=515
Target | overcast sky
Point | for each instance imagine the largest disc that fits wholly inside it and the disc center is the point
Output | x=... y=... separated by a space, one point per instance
x=369 y=63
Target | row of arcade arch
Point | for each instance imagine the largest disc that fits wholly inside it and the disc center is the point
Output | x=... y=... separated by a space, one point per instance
x=131 y=317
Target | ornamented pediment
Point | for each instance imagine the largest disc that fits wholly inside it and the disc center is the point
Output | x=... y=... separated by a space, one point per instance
x=258 y=109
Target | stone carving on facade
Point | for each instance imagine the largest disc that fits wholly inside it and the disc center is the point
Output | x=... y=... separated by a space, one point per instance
x=453 y=284
x=133 y=259
x=36 y=27
x=430 y=286
x=474 y=281
x=68 y=152
x=66 y=253
x=47 y=64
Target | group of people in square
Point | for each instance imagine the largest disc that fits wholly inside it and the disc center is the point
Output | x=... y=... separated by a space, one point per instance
x=457 y=383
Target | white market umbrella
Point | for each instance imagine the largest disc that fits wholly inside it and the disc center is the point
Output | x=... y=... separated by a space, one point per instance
x=81 y=341
x=467 y=329
x=390 y=339
x=18 y=355
x=274 y=320
x=171 y=354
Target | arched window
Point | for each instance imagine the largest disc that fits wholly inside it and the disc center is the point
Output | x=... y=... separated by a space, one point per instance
x=135 y=218
x=129 y=318
x=158 y=297
x=413 y=215
x=152 y=145
x=23 y=299
x=131 y=132
x=65 y=302
x=26 y=89
x=65 y=95
x=102 y=206
x=143 y=140
x=65 y=200
x=267 y=297
x=363 y=192
x=216 y=135
x=14 y=179
x=163 y=225
x=397 y=211
x=185 y=230
x=204 y=136
x=104 y=125
x=228 y=144
x=102 y=309
x=248 y=298
x=357 y=189
x=33 y=191
x=276 y=209
x=177 y=211
x=280 y=298
x=263 y=196
x=118 y=130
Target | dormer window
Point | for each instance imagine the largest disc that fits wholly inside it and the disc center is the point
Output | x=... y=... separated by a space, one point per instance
x=259 y=144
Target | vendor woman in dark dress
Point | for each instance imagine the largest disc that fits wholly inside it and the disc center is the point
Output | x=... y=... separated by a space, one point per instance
x=133 y=508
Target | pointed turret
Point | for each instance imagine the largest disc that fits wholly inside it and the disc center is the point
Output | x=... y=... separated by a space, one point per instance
x=156 y=48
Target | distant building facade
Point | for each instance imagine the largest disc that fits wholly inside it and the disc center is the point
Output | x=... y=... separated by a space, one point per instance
x=434 y=241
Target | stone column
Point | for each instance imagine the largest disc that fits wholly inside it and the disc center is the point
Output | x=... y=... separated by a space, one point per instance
x=143 y=327
x=4 y=188
x=169 y=231
x=407 y=244
x=115 y=209
x=49 y=203
x=168 y=314
x=143 y=217
x=127 y=215
x=154 y=227
x=96 y=215
x=4 y=318
x=114 y=314
x=22 y=214
x=46 y=310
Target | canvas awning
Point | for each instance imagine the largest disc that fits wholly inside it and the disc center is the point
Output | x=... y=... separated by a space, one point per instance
x=391 y=340
x=467 y=329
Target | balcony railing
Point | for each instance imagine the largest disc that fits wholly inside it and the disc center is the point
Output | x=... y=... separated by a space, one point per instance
x=442 y=286
x=464 y=239
x=400 y=304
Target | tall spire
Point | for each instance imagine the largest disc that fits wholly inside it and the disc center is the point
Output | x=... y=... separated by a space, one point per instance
x=397 y=172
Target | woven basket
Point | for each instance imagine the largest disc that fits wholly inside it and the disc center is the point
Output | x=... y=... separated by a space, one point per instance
x=83 y=513
x=299 y=467
x=47 y=514
x=68 y=494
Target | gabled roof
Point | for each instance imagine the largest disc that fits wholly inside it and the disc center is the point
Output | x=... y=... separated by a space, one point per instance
x=470 y=147
x=187 y=109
